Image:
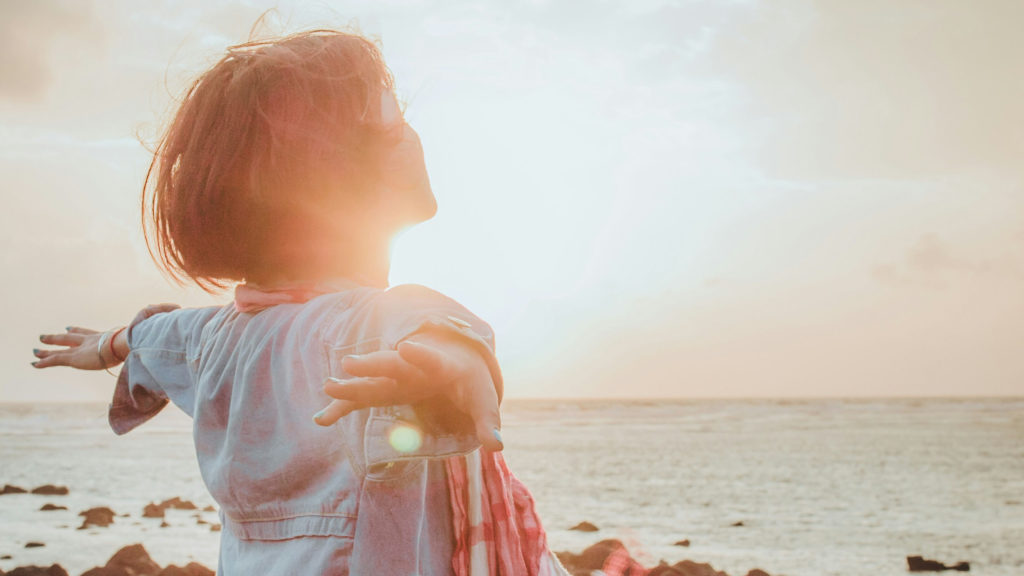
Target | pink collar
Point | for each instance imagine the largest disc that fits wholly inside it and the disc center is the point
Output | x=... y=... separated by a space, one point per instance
x=253 y=298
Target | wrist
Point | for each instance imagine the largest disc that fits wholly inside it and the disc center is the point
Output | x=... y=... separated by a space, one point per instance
x=112 y=347
x=119 y=344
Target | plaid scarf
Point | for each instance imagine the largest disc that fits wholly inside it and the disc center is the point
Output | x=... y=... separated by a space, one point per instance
x=497 y=530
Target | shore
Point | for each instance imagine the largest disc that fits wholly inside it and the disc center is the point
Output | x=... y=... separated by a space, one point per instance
x=822 y=488
x=608 y=556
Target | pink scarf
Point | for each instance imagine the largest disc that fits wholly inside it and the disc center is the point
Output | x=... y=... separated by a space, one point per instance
x=251 y=298
x=497 y=530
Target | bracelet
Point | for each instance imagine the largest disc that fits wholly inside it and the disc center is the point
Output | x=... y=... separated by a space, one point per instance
x=99 y=352
x=112 y=351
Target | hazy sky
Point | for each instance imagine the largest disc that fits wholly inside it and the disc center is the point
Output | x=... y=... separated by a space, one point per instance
x=644 y=198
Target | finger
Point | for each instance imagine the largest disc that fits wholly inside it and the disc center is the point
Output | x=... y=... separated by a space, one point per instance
x=427 y=358
x=383 y=364
x=57 y=359
x=335 y=411
x=482 y=406
x=372 y=391
x=77 y=330
x=62 y=339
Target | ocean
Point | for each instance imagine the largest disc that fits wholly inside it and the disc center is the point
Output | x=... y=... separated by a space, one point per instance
x=820 y=487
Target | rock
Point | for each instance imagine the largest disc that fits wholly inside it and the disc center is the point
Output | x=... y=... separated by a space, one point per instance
x=691 y=568
x=34 y=544
x=585 y=527
x=740 y=523
x=51 y=490
x=101 y=516
x=214 y=527
x=128 y=561
x=682 y=543
x=919 y=564
x=664 y=570
x=177 y=504
x=47 y=507
x=592 y=558
x=209 y=509
x=164 y=524
x=757 y=572
x=153 y=511
x=8 y=489
x=157 y=510
x=54 y=570
x=6 y=557
x=190 y=569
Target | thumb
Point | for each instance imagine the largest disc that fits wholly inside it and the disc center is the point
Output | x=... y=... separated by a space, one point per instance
x=482 y=407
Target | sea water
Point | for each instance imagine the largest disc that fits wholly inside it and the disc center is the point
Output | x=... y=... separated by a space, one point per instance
x=794 y=487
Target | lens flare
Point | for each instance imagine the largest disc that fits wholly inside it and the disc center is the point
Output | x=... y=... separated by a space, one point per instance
x=404 y=438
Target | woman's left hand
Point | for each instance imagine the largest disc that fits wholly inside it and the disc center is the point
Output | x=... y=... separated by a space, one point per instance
x=423 y=367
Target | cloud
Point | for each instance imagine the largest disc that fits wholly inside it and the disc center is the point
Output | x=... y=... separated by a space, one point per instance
x=878 y=89
x=932 y=263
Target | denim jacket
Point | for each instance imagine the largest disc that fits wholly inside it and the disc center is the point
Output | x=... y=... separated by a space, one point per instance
x=366 y=496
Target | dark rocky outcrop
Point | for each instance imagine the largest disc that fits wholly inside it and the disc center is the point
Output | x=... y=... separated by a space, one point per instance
x=9 y=489
x=101 y=516
x=135 y=561
x=47 y=507
x=585 y=527
x=664 y=569
x=682 y=543
x=153 y=510
x=34 y=544
x=177 y=504
x=190 y=569
x=691 y=568
x=919 y=564
x=54 y=570
x=594 y=557
x=131 y=560
x=597 y=557
x=51 y=490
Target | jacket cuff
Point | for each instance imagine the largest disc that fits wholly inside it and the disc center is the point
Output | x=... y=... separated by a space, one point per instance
x=131 y=406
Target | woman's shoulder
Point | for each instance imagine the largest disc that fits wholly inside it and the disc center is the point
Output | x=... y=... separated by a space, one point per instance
x=417 y=300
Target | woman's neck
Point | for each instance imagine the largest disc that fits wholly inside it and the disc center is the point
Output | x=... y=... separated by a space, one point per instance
x=369 y=265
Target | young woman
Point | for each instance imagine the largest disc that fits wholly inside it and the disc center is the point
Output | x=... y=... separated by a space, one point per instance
x=286 y=170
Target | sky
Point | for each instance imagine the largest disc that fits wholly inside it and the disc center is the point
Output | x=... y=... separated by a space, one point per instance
x=644 y=199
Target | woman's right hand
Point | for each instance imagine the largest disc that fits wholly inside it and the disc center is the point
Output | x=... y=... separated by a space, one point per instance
x=81 y=350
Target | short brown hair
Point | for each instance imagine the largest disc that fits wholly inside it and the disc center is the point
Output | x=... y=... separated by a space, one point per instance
x=276 y=129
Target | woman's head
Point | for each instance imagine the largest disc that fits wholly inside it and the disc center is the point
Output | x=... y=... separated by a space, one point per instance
x=279 y=157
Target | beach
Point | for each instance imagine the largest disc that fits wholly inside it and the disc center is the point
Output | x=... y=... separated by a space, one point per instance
x=793 y=487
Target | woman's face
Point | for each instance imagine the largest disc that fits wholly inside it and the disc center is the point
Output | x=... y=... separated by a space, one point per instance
x=405 y=196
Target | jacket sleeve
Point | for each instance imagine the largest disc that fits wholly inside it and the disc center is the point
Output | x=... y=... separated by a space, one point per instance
x=442 y=430
x=411 y=309
x=162 y=347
